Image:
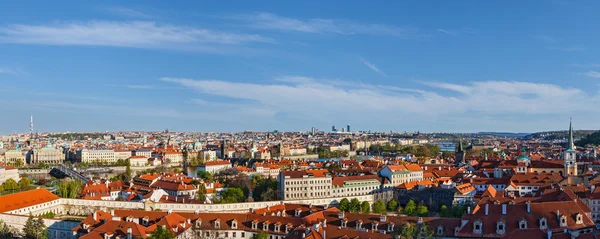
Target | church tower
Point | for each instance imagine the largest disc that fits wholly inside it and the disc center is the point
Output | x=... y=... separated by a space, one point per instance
x=459 y=158
x=570 y=155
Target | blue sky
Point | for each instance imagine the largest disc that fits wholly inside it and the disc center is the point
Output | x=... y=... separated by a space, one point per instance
x=451 y=66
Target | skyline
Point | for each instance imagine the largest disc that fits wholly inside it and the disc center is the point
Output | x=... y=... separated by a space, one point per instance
x=409 y=66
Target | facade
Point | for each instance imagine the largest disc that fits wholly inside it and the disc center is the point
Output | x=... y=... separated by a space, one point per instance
x=123 y=154
x=47 y=156
x=399 y=174
x=88 y=156
x=305 y=184
x=215 y=166
x=138 y=161
x=7 y=172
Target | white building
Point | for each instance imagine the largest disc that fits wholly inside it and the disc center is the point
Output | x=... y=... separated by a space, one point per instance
x=214 y=166
x=87 y=156
x=399 y=174
x=305 y=184
x=7 y=172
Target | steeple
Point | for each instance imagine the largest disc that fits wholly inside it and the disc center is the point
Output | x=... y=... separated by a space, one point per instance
x=571 y=144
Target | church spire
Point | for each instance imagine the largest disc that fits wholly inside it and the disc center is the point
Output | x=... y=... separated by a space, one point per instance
x=571 y=144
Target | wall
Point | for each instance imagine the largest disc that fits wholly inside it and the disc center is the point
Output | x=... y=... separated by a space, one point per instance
x=56 y=228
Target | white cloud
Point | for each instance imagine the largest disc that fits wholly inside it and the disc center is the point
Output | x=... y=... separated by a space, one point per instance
x=592 y=74
x=373 y=67
x=320 y=100
x=139 y=34
x=448 y=32
x=12 y=71
x=271 y=21
x=128 y=12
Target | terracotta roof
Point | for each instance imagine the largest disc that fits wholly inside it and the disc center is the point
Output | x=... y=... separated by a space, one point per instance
x=25 y=199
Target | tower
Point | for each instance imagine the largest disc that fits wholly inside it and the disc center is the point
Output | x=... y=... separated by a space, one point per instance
x=224 y=149
x=570 y=155
x=31 y=127
x=347 y=128
x=460 y=154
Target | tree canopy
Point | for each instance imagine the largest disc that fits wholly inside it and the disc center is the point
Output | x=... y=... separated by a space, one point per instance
x=379 y=207
x=354 y=205
x=411 y=208
x=35 y=228
x=365 y=207
x=161 y=233
x=345 y=205
x=232 y=195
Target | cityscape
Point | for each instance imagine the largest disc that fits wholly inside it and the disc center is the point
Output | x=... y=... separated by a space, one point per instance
x=299 y=120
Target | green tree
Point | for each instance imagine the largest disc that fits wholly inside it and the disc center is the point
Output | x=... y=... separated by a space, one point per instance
x=161 y=233
x=232 y=195
x=354 y=205
x=379 y=207
x=422 y=210
x=10 y=185
x=416 y=231
x=261 y=235
x=365 y=207
x=392 y=205
x=206 y=176
x=24 y=183
x=127 y=175
x=345 y=205
x=35 y=228
x=411 y=208
x=70 y=189
x=201 y=192
x=444 y=212
x=6 y=231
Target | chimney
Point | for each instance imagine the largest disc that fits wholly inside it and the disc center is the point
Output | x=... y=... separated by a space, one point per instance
x=112 y=212
x=129 y=231
x=95 y=217
x=171 y=211
x=486 y=209
x=528 y=206
x=549 y=234
x=469 y=210
x=503 y=209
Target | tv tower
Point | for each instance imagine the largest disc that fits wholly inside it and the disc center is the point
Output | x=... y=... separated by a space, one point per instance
x=31 y=127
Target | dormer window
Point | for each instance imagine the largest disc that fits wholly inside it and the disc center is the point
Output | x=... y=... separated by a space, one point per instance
x=543 y=223
x=234 y=224
x=344 y=223
x=391 y=227
x=199 y=223
x=477 y=226
x=277 y=227
x=217 y=223
x=563 y=221
x=440 y=230
x=579 y=219
x=288 y=227
x=374 y=226
x=297 y=212
x=359 y=224
x=500 y=227
x=254 y=225
x=266 y=226
x=522 y=224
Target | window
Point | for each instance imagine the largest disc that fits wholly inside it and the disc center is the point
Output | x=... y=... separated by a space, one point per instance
x=243 y=234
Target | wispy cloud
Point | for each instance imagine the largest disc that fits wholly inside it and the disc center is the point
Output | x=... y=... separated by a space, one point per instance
x=592 y=74
x=373 y=67
x=12 y=71
x=448 y=32
x=129 y=12
x=485 y=98
x=569 y=48
x=271 y=21
x=138 y=34
x=545 y=38
x=591 y=65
